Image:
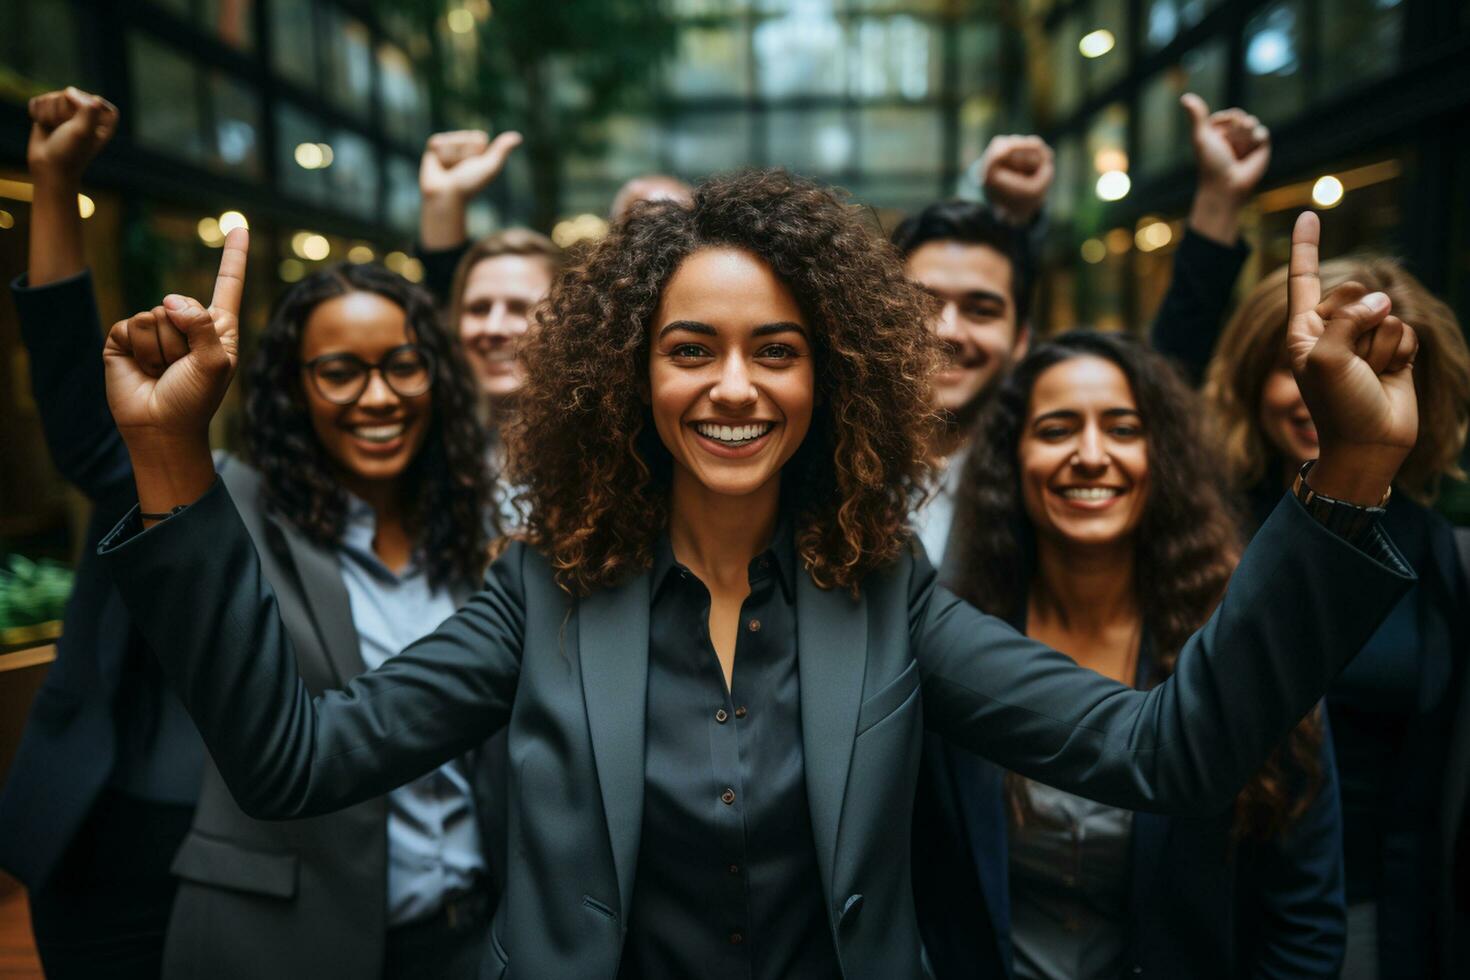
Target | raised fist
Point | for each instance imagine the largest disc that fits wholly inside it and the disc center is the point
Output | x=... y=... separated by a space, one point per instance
x=460 y=164
x=168 y=368
x=68 y=128
x=1231 y=147
x=1016 y=172
x=1353 y=360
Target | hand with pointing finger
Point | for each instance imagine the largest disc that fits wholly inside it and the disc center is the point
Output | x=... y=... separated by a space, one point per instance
x=1231 y=149
x=1353 y=360
x=168 y=368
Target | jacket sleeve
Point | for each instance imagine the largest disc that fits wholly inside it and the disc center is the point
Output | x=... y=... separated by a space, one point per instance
x=59 y=325
x=1300 y=888
x=439 y=267
x=1192 y=314
x=194 y=586
x=1301 y=603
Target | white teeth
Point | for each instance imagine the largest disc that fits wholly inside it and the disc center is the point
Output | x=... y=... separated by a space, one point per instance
x=1091 y=493
x=733 y=434
x=378 y=433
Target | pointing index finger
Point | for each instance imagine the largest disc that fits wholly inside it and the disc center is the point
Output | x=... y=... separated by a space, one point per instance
x=230 y=284
x=1304 y=290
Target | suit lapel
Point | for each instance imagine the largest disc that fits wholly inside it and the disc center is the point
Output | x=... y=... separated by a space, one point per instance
x=831 y=653
x=612 y=639
x=326 y=601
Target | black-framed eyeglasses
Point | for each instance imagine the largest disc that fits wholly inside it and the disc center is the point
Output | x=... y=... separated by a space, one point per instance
x=342 y=378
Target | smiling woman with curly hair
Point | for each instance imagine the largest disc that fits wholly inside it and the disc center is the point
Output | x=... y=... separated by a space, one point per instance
x=595 y=472
x=723 y=432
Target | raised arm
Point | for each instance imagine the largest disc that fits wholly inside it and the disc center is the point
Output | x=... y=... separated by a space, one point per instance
x=57 y=308
x=454 y=168
x=1302 y=602
x=193 y=584
x=1231 y=151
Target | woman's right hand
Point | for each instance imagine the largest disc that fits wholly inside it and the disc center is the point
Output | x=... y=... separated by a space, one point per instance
x=168 y=368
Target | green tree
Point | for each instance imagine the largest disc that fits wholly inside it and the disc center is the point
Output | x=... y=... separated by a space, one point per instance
x=552 y=69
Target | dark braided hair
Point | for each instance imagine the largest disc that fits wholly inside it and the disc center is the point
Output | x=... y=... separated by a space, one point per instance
x=447 y=481
x=1186 y=545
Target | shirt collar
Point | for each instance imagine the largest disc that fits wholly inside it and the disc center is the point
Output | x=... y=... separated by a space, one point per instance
x=359 y=527
x=781 y=552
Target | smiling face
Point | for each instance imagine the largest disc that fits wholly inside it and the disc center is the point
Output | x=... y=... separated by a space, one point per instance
x=1284 y=419
x=978 y=318
x=1083 y=457
x=730 y=375
x=500 y=294
x=373 y=439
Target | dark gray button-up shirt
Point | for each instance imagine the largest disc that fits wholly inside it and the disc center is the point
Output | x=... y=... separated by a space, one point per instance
x=727 y=882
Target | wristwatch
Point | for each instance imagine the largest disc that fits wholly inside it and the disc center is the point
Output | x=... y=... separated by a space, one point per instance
x=1346 y=520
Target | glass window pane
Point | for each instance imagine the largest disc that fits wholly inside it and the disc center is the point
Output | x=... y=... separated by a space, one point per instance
x=1359 y=41
x=166 y=97
x=347 y=58
x=1165 y=128
x=293 y=41
x=403 y=194
x=1275 y=87
x=405 y=98
x=710 y=61
x=353 y=175
x=901 y=140
x=53 y=64
x=895 y=56
x=1165 y=20
x=298 y=175
x=236 y=125
x=799 y=54
x=980 y=58
x=1066 y=67
x=232 y=21
x=710 y=143
x=817 y=143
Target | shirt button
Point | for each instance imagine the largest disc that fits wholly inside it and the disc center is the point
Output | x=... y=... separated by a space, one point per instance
x=754 y=625
x=740 y=712
x=727 y=797
x=736 y=938
x=722 y=716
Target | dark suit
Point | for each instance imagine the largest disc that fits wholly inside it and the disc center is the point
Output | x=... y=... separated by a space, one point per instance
x=569 y=679
x=1197 y=907
x=301 y=898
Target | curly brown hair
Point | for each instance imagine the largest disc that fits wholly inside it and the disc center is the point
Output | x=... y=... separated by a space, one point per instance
x=594 y=474
x=1186 y=545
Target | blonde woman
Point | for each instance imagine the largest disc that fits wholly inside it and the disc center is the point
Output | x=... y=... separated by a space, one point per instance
x=1394 y=713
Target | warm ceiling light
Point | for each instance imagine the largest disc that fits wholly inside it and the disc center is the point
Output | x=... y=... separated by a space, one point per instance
x=291 y=270
x=1118 y=240
x=308 y=155
x=461 y=21
x=315 y=247
x=231 y=220
x=1152 y=236
x=1094 y=251
x=1109 y=158
x=1327 y=192
x=395 y=261
x=7 y=220
x=359 y=254
x=209 y=232
x=1096 y=43
x=86 y=206
x=413 y=270
x=1113 y=185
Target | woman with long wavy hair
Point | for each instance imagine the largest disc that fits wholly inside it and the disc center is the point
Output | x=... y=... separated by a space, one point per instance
x=365 y=494
x=1089 y=519
x=1401 y=711
x=715 y=648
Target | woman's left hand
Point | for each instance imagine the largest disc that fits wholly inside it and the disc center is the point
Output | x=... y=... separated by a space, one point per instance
x=1353 y=360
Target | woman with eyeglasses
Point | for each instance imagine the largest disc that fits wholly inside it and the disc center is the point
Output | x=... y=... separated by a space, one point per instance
x=365 y=497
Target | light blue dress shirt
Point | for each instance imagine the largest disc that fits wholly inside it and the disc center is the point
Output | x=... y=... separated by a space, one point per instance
x=433 y=838
x=932 y=521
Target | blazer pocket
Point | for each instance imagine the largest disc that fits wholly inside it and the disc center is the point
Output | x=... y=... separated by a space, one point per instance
x=889 y=698
x=225 y=864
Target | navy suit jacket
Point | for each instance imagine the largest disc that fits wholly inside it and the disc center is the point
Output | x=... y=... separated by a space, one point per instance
x=69 y=747
x=569 y=679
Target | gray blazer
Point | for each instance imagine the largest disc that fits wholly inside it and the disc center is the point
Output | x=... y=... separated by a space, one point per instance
x=299 y=898
x=568 y=677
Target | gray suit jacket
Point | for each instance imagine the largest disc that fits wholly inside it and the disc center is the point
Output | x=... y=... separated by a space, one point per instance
x=299 y=898
x=569 y=678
